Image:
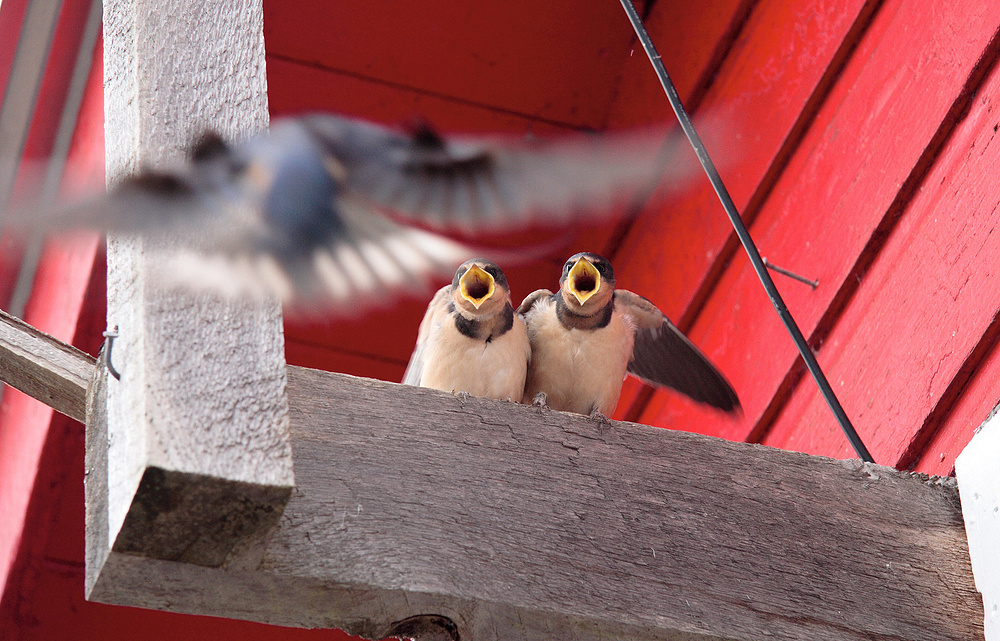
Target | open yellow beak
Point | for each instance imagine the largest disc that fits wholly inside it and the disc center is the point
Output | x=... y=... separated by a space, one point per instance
x=476 y=285
x=584 y=280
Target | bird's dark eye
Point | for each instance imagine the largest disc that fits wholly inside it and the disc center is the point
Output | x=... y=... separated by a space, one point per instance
x=458 y=276
x=567 y=267
x=492 y=271
x=602 y=268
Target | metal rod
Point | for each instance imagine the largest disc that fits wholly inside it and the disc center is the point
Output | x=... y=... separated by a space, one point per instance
x=741 y=231
x=784 y=272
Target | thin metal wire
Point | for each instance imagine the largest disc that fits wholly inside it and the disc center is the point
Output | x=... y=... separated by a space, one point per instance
x=741 y=231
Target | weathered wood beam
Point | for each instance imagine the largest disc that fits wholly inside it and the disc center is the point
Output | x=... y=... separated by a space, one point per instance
x=517 y=524
x=44 y=367
x=200 y=415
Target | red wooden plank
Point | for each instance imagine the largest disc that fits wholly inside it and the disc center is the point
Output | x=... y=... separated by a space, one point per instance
x=55 y=83
x=11 y=18
x=837 y=188
x=552 y=60
x=54 y=307
x=295 y=88
x=690 y=41
x=776 y=65
x=965 y=416
x=902 y=347
x=29 y=437
x=85 y=161
x=672 y=253
x=973 y=406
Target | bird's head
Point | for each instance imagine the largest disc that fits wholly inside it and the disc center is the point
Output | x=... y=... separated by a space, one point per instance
x=587 y=282
x=480 y=287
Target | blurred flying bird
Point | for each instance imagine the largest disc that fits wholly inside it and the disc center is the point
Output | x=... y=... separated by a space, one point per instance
x=588 y=334
x=334 y=211
x=470 y=339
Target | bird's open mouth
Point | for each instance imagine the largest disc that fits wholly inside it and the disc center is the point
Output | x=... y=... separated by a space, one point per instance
x=584 y=280
x=477 y=285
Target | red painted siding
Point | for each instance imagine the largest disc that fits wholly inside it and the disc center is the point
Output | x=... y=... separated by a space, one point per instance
x=916 y=329
x=857 y=139
x=836 y=201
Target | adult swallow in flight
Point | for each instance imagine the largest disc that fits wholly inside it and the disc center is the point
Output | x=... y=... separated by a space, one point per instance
x=588 y=334
x=470 y=339
x=333 y=210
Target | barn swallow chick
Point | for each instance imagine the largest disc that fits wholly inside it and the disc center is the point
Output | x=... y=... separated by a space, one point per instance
x=334 y=210
x=470 y=339
x=585 y=337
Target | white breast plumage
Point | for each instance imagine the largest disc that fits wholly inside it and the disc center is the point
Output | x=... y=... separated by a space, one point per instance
x=578 y=369
x=457 y=363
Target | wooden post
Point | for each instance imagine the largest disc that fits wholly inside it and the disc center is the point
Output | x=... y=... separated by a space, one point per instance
x=487 y=520
x=200 y=415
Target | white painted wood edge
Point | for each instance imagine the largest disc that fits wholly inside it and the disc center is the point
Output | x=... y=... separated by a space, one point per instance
x=978 y=471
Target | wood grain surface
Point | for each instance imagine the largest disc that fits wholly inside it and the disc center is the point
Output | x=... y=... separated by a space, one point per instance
x=202 y=387
x=44 y=367
x=518 y=524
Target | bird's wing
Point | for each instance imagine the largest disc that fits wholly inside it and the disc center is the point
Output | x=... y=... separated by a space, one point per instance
x=298 y=211
x=530 y=300
x=435 y=313
x=662 y=355
x=265 y=216
x=477 y=184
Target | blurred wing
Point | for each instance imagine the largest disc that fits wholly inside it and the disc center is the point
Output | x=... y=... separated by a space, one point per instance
x=494 y=184
x=662 y=355
x=266 y=217
x=368 y=262
x=174 y=199
x=437 y=308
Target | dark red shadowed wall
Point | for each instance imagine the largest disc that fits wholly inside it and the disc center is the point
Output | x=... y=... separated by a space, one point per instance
x=858 y=141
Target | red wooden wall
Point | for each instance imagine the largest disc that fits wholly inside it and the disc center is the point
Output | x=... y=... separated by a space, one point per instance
x=858 y=143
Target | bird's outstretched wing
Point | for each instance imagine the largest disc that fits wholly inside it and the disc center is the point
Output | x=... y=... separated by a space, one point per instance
x=436 y=311
x=662 y=355
x=477 y=184
x=329 y=209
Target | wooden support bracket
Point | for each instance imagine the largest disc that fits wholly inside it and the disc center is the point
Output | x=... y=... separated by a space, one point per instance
x=415 y=510
x=510 y=523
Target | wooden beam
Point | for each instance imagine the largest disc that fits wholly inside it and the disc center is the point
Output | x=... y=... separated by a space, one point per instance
x=44 y=367
x=200 y=410
x=517 y=524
